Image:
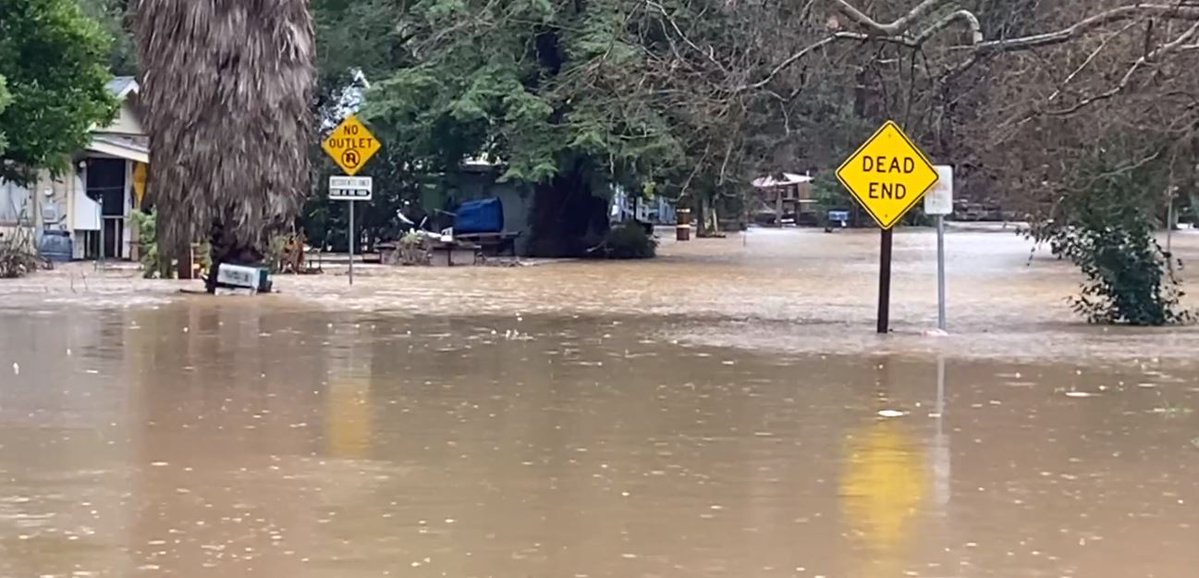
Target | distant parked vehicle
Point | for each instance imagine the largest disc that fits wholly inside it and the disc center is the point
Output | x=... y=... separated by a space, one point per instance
x=836 y=220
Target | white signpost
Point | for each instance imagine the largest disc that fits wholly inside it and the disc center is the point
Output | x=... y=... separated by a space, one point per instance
x=939 y=201
x=352 y=189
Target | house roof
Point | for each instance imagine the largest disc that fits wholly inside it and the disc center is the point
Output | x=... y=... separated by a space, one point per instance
x=121 y=86
x=120 y=147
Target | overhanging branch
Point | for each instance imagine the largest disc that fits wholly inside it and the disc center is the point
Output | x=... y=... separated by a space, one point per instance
x=971 y=21
x=897 y=28
x=894 y=32
x=1159 y=52
x=1088 y=24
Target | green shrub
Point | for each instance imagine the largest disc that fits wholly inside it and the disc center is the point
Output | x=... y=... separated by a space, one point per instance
x=1107 y=230
x=276 y=253
x=415 y=249
x=147 y=240
x=629 y=241
x=17 y=257
x=1128 y=276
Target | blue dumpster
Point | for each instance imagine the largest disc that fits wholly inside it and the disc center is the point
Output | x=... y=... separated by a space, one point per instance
x=486 y=216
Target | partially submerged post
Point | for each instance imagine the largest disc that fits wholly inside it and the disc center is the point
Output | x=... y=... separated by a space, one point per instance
x=939 y=202
x=888 y=175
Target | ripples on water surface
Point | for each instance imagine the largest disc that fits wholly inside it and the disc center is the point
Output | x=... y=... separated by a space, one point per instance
x=724 y=411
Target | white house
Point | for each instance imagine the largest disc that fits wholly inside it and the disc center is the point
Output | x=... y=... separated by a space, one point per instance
x=94 y=201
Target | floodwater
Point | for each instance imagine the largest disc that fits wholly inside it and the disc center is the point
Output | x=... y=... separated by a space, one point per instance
x=723 y=411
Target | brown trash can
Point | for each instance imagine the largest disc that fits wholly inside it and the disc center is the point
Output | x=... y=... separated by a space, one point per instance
x=682 y=231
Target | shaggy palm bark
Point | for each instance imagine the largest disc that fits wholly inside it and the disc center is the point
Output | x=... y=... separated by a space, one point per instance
x=227 y=86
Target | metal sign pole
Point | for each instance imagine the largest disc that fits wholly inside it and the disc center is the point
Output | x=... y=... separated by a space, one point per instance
x=939 y=202
x=941 y=323
x=100 y=219
x=884 y=282
x=351 y=190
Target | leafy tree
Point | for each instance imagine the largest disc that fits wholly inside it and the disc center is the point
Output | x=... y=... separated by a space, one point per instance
x=358 y=41
x=53 y=59
x=551 y=91
x=113 y=16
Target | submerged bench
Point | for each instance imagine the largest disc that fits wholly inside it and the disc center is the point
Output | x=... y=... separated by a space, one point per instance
x=492 y=244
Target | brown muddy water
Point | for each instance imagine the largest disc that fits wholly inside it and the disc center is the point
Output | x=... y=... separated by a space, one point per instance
x=723 y=411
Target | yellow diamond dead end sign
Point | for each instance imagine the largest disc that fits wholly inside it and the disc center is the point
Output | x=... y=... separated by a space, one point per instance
x=888 y=175
x=351 y=145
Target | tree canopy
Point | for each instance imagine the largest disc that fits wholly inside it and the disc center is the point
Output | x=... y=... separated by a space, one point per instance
x=54 y=62
x=113 y=17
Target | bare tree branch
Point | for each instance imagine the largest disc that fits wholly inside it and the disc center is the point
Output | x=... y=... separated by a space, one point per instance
x=897 y=28
x=819 y=44
x=894 y=31
x=1090 y=58
x=976 y=31
x=1175 y=12
x=1127 y=79
x=707 y=54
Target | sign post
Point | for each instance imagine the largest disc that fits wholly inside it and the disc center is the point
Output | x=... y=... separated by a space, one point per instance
x=939 y=202
x=354 y=190
x=888 y=175
x=351 y=145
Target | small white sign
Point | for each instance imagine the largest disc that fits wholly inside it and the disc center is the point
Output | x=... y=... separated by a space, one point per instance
x=351 y=188
x=238 y=276
x=939 y=199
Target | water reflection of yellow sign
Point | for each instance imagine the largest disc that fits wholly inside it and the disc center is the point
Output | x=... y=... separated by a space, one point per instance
x=348 y=420
x=883 y=485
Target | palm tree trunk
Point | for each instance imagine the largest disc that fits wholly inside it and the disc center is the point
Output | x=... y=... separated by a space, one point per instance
x=226 y=88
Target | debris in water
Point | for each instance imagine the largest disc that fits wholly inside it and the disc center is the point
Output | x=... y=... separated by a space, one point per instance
x=16 y=368
x=891 y=413
x=936 y=333
x=1079 y=394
